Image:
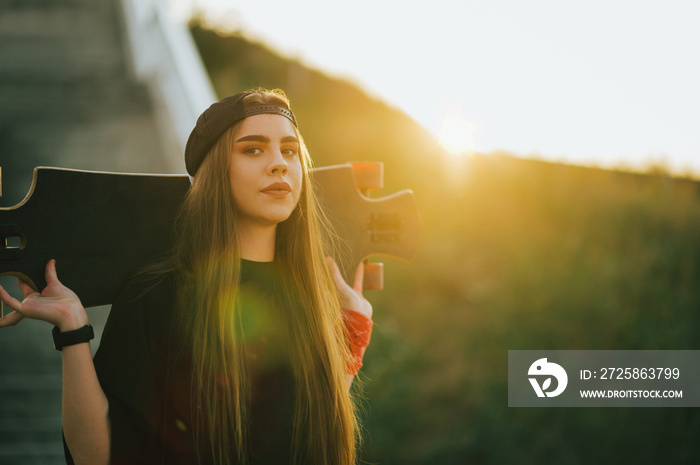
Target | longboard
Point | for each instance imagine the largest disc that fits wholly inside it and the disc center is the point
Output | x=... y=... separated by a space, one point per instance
x=102 y=227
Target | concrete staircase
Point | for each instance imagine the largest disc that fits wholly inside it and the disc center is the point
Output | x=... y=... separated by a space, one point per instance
x=67 y=98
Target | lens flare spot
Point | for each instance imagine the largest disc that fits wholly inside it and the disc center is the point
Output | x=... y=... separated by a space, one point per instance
x=457 y=136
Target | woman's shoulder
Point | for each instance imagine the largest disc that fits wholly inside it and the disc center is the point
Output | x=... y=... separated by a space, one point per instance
x=147 y=288
x=146 y=300
x=138 y=321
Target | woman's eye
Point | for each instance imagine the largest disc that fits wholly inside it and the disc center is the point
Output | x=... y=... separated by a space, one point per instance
x=292 y=152
x=252 y=151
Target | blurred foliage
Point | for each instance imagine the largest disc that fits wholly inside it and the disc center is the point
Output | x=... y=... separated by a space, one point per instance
x=515 y=254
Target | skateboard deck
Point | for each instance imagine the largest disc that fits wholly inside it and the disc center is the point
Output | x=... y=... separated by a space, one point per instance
x=102 y=227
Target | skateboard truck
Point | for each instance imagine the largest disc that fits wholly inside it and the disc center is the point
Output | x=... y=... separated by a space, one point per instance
x=369 y=176
x=384 y=227
x=9 y=246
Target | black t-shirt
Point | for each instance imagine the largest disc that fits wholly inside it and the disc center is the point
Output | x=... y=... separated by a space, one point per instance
x=148 y=385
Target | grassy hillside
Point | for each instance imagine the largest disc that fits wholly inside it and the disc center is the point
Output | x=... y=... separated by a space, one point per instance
x=515 y=254
x=339 y=122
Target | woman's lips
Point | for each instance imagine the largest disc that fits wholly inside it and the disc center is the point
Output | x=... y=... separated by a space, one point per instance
x=278 y=190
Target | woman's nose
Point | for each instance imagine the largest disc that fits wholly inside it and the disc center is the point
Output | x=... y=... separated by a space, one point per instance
x=278 y=165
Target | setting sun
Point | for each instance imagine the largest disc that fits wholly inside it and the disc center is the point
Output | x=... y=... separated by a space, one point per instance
x=457 y=136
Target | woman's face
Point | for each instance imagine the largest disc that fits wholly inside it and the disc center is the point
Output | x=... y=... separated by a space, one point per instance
x=265 y=170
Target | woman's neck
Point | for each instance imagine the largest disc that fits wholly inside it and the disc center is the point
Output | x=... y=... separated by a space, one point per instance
x=257 y=243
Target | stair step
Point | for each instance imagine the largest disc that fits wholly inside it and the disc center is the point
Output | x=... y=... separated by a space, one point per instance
x=60 y=41
x=59 y=20
x=46 y=60
x=10 y=5
x=81 y=100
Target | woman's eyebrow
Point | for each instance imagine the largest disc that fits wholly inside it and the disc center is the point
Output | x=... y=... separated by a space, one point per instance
x=265 y=139
x=254 y=138
x=289 y=139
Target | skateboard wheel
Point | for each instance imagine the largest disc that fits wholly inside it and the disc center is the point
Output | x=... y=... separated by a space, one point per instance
x=374 y=277
x=368 y=175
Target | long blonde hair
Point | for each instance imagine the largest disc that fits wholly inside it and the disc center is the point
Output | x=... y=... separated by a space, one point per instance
x=206 y=255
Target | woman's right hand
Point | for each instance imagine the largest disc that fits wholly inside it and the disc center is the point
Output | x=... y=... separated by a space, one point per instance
x=56 y=304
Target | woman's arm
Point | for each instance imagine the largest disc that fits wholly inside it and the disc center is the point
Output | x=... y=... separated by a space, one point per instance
x=351 y=298
x=85 y=406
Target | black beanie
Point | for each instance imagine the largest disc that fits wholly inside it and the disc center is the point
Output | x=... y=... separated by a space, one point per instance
x=216 y=120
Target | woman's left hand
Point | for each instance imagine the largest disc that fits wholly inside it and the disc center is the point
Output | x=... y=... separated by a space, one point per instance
x=351 y=298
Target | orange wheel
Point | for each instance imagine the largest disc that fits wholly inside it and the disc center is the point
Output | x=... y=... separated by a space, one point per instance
x=373 y=277
x=368 y=175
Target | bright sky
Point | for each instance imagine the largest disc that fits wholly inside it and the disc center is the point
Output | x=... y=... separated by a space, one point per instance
x=612 y=82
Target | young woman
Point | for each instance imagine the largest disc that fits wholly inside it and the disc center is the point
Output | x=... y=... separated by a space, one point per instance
x=241 y=346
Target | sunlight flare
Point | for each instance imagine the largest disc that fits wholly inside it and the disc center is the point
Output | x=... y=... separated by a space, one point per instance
x=457 y=136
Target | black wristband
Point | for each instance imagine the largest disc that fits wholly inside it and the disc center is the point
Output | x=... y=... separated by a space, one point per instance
x=69 y=338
